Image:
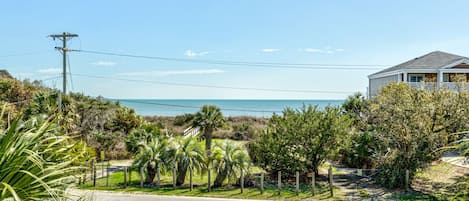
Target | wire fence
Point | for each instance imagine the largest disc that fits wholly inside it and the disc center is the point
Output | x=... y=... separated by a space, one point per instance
x=354 y=184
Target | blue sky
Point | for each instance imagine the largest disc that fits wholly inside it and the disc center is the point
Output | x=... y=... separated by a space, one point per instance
x=327 y=32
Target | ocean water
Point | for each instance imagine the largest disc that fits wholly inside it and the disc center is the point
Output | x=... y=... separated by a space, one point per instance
x=229 y=107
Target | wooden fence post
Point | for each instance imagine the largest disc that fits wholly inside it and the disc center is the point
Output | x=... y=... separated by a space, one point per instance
x=407 y=180
x=313 y=183
x=297 y=183
x=330 y=180
x=79 y=178
x=191 y=174
x=130 y=175
x=262 y=183
x=158 y=175
x=242 y=181
x=94 y=173
x=209 y=188
x=279 y=181
x=107 y=174
x=174 y=177
x=125 y=176
x=141 y=177
x=84 y=173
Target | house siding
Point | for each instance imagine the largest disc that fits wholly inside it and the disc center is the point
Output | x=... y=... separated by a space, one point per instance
x=376 y=83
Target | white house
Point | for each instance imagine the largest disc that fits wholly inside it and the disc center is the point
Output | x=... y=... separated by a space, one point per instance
x=433 y=70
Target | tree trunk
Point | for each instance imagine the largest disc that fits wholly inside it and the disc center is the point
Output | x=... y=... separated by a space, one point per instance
x=208 y=142
x=150 y=175
x=181 y=174
x=220 y=178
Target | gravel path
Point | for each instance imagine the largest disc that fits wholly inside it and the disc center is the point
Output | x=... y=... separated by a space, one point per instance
x=118 y=196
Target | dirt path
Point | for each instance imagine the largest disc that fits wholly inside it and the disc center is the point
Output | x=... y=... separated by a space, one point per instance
x=356 y=188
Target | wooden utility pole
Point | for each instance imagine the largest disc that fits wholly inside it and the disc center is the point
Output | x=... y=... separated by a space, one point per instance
x=63 y=37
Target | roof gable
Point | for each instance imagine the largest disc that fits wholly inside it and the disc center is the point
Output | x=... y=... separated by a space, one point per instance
x=432 y=60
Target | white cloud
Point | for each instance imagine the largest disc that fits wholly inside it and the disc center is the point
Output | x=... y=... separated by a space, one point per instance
x=269 y=50
x=104 y=63
x=191 y=53
x=172 y=72
x=50 y=71
x=326 y=50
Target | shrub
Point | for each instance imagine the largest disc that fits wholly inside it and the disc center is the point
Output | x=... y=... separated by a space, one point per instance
x=300 y=140
x=410 y=124
x=181 y=120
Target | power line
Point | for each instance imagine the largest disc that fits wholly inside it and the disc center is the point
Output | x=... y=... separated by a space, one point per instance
x=303 y=66
x=50 y=78
x=25 y=54
x=214 y=86
x=194 y=107
x=70 y=72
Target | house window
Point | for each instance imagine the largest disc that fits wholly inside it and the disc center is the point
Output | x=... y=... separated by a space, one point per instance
x=445 y=77
x=416 y=78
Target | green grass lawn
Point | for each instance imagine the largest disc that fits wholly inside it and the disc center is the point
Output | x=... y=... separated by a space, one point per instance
x=116 y=181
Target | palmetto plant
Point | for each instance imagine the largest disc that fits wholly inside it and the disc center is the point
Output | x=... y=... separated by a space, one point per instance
x=229 y=159
x=208 y=119
x=153 y=154
x=189 y=155
x=36 y=161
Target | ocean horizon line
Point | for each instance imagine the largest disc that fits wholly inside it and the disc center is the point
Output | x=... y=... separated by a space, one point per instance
x=230 y=107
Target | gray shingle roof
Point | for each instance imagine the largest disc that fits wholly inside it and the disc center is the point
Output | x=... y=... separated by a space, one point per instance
x=5 y=74
x=432 y=60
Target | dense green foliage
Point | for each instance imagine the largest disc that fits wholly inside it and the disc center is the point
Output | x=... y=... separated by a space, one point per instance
x=300 y=140
x=360 y=151
x=102 y=124
x=184 y=119
x=404 y=128
x=13 y=91
x=144 y=133
x=411 y=126
x=37 y=160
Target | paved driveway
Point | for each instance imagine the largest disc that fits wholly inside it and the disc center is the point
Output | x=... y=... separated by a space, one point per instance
x=118 y=196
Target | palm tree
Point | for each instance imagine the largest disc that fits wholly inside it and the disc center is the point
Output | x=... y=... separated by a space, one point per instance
x=154 y=154
x=36 y=161
x=229 y=159
x=189 y=155
x=208 y=119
